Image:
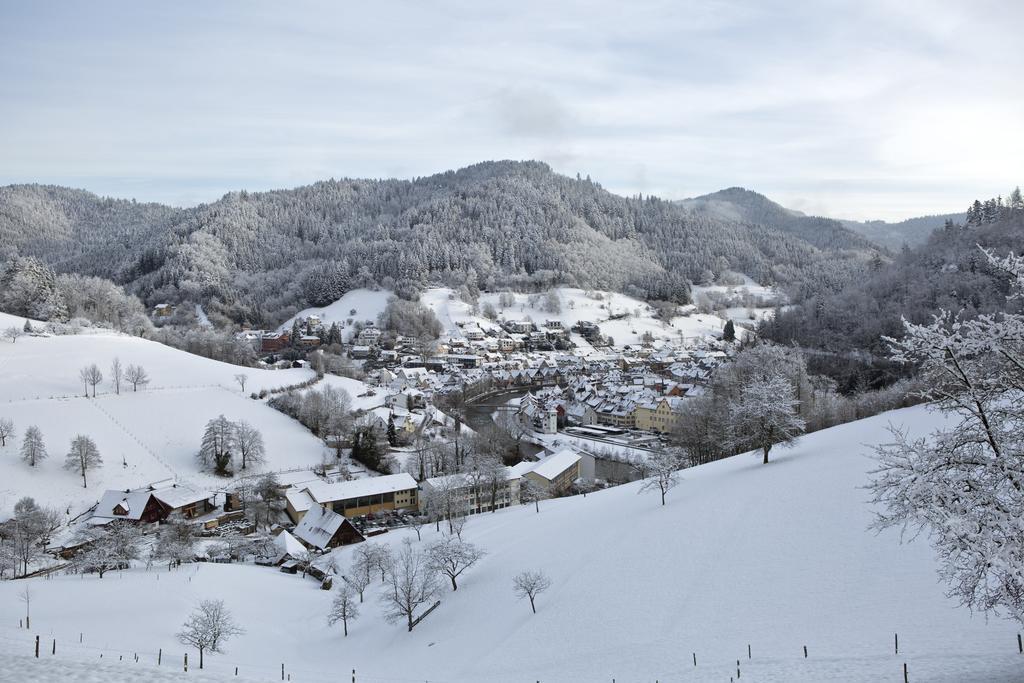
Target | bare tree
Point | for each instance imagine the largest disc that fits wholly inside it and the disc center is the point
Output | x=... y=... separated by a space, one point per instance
x=249 y=442
x=29 y=529
x=116 y=375
x=416 y=523
x=662 y=472
x=360 y=574
x=344 y=608
x=530 y=584
x=13 y=333
x=208 y=627
x=452 y=556
x=83 y=456
x=91 y=376
x=32 y=447
x=241 y=378
x=26 y=597
x=218 y=442
x=6 y=430
x=412 y=583
x=137 y=376
x=532 y=492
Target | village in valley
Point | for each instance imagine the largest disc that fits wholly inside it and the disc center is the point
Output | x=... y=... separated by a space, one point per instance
x=562 y=408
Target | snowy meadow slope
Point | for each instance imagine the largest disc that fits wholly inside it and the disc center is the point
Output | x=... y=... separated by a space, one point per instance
x=143 y=436
x=778 y=557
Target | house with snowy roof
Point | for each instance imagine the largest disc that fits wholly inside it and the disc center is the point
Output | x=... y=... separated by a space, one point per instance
x=362 y=496
x=557 y=472
x=322 y=529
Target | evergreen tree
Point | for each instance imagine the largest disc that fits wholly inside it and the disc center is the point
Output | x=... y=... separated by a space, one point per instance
x=392 y=433
x=729 y=333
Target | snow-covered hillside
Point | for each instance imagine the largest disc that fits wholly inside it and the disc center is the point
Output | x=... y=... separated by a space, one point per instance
x=368 y=305
x=778 y=557
x=142 y=436
x=632 y=317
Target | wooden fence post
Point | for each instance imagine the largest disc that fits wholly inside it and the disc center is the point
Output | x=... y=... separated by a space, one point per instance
x=54 y=647
x=186 y=662
x=159 y=656
x=905 y=679
x=1020 y=645
x=805 y=652
x=896 y=642
x=37 y=647
x=695 y=659
x=748 y=650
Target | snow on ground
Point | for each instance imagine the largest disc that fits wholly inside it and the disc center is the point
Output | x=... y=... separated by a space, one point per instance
x=775 y=556
x=47 y=367
x=367 y=304
x=575 y=305
x=143 y=436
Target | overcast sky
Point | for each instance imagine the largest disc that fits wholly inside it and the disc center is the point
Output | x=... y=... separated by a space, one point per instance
x=865 y=109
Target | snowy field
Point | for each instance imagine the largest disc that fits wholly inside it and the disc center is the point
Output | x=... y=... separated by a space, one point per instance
x=575 y=305
x=778 y=557
x=143 y=436
x=368 y=305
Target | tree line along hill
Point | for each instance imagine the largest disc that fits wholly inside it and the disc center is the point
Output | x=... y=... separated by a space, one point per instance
x=257 y=257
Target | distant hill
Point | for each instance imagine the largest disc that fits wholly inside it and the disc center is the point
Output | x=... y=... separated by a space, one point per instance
x=738 y=204
x=911 y=232
x=741 y=205
x=263 y=256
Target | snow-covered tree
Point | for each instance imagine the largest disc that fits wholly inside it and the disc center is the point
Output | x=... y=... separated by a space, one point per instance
x=218 y=444
x=240 y=379
x=344 y=607
x=765 y=415
x=452 y=556
x=360 y=573
x=137 y=376
x=209 y=627
x=662 y=469
x=530 y=584
x=28 y=530
x=6 y=430
x=175 y=542
x=115 y=546
x=91 y=375
x=83 y=457
x=12 y=333
x=116 y=375
x=249 y=443
x=532 y=492
x=411 y=583
x=33 y=450
x=963 y=485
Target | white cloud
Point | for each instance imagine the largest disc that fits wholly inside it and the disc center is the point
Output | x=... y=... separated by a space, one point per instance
x=868 y=109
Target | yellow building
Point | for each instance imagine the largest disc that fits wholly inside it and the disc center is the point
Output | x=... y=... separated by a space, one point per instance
x=662 y=416
x=557 y=472
x=357 y=497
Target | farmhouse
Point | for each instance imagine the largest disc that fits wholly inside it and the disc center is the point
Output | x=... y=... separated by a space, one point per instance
x=321 y=529
x=152 y=504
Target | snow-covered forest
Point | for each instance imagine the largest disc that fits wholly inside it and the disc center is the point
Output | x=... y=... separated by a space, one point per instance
x=260 y=257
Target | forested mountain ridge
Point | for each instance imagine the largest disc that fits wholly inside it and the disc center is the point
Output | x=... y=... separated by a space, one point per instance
x=948 y=272
x=258 y=256
x=739 y=204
